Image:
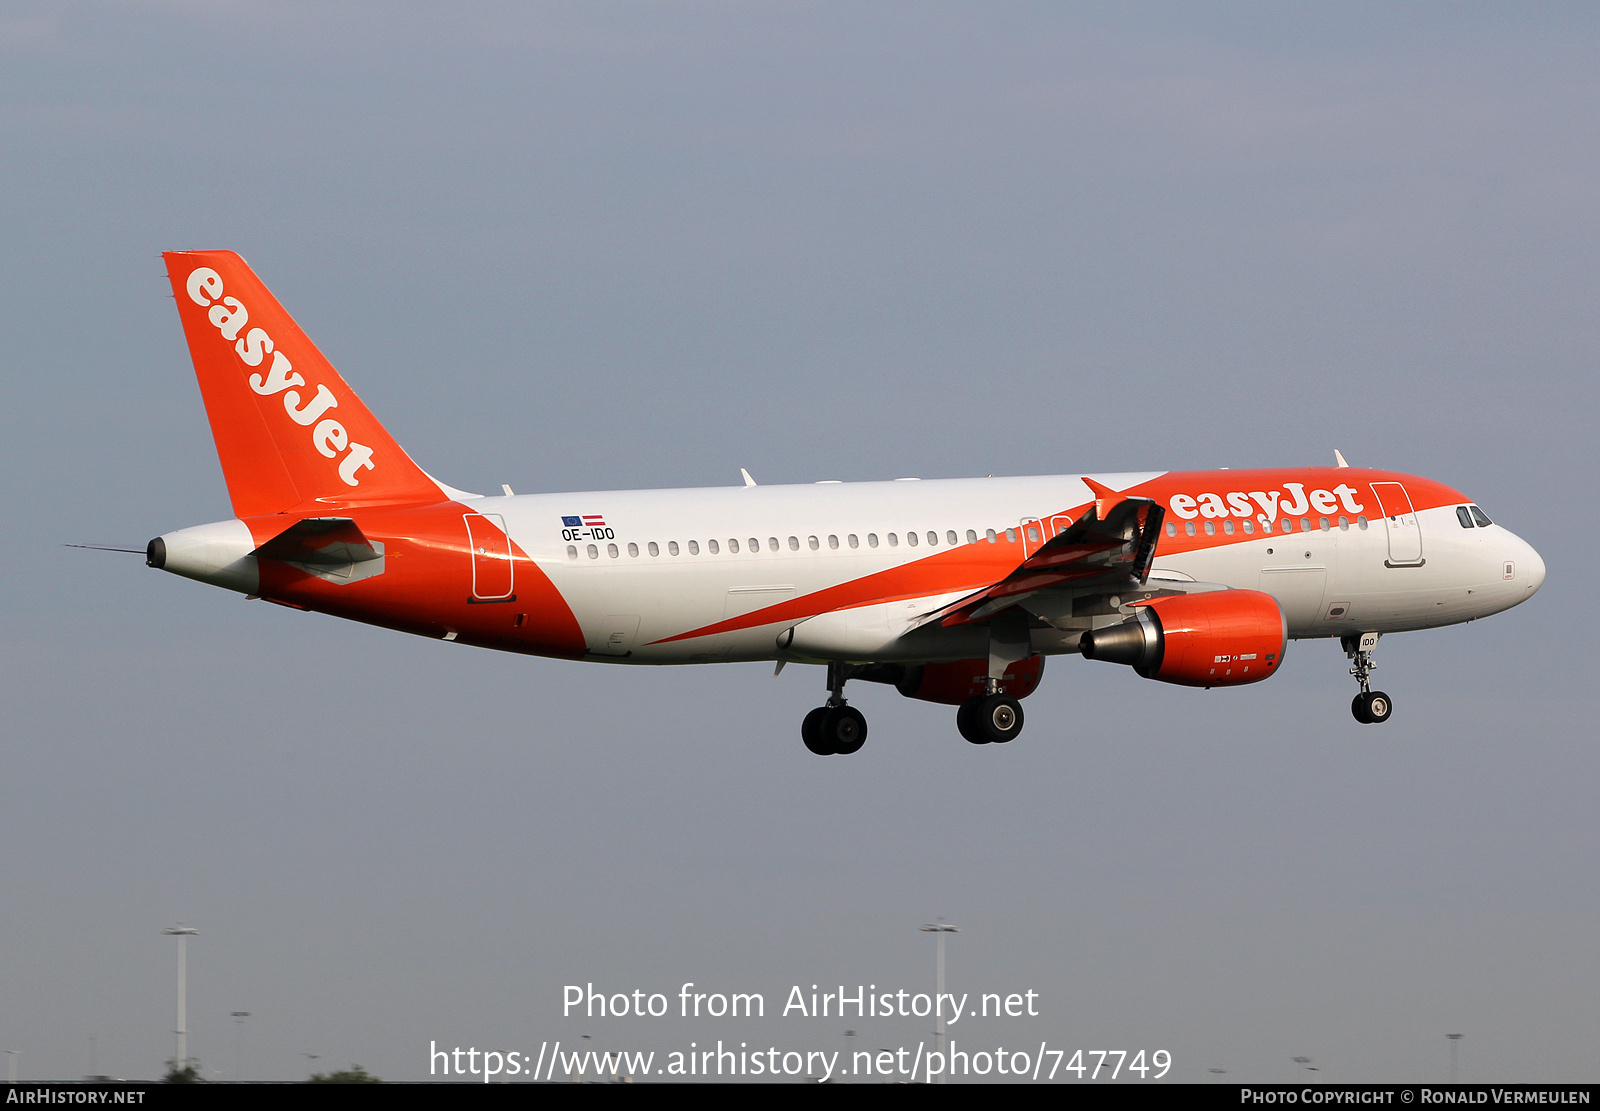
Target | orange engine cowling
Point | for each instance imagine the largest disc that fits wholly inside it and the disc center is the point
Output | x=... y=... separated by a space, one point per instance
x=954 y=683
x=1222 y=638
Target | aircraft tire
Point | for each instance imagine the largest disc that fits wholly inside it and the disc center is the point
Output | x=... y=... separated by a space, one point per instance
x=1378 y=707
x=999 y=718
x=844 y=729
x=1358 y=709
x=811 y=732
x=965 y=721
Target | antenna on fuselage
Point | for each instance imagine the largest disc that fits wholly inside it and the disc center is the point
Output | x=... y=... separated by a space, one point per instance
x=1338 y=458
x=748 y=481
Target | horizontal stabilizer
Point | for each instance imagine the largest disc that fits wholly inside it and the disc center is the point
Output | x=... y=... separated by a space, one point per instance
x=331 y=548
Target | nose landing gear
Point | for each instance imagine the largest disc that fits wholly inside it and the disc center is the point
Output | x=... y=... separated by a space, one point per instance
x=1370 y=707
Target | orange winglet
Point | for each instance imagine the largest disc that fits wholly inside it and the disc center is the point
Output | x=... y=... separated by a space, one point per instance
x=1106 y=499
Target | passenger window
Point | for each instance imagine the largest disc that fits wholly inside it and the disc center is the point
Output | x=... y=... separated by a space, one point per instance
x=1305 y=524
x=1481 y=517
x=711 y=547
x=1288 y=524
x=655 y=549
x=1011 y=536
x=772 y=545
x=694 y=547
x=1322 y=522
x=633 y=549
x=1249 y=527
x=1464 y=515
x=833 y=540
x=933 y=539
x=815 y=544
x=951 y=538
x=1344 y=524
x=594 y=552
x=794 y=543
x=894 y=541
x=1361 y=522
x=1266 y=526
x=1172 y=528
x=1188 y=527
x=972 y=537
x=1227 y=527
x=1211 y=528
x=854 y=543
x=911 y=538
x=755 y=545
x=990 y=535
x=733 y=545
x=872 y=540
x=672 y=547
x=572 y=551
x=611 y=550
x=1033 y=535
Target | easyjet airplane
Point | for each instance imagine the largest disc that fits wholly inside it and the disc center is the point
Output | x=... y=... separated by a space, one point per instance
x=951 y=591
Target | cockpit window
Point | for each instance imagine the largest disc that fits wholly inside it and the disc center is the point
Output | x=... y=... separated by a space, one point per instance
x=1481 y=517
x=1464 y=515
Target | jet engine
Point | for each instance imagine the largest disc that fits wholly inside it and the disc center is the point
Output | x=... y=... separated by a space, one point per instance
x=1221 y=638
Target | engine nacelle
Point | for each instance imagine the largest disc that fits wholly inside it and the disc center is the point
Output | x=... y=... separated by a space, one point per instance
x=954 y=683
x=1222 y=638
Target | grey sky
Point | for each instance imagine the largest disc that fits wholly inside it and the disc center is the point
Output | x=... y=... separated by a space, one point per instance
x=611 y=246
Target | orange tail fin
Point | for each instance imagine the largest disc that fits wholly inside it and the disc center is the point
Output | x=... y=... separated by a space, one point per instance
x=290 y=433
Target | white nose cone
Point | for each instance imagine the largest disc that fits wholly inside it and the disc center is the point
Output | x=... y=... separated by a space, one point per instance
x=1535 y=566
x=221 y=554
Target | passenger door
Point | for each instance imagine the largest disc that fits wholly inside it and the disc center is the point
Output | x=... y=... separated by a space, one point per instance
x=1405 y=534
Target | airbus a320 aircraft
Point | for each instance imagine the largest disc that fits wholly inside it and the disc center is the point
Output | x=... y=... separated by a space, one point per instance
x=952 y=591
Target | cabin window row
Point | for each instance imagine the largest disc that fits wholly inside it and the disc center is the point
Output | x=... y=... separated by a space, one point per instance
x=1322 y=524
x=833 y=542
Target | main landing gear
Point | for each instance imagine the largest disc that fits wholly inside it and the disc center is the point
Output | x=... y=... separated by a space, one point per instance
x=1370 y=707
x=992 y=718
x=835 y=729
x=838 y=729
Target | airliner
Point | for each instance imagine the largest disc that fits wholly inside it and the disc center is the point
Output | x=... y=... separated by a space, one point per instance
x=951 y=591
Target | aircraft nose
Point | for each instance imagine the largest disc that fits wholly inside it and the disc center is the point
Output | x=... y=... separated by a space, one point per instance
x=1535 y=567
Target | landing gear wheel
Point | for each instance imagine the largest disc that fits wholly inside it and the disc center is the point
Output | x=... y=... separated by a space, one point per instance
x=998 y=718
x=966 y=719
x=811 y=732
x=1372 y=707
x=844 y=729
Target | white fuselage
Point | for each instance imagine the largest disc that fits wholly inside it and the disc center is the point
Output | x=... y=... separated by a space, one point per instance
x=664 y=562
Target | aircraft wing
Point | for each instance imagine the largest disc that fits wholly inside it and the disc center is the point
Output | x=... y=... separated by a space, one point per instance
x=1111 y=544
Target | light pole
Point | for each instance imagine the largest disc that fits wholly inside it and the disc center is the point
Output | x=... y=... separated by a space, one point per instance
x=183 y=934
x=238 y=1042
x=1455 y=1040
x=938 y=930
